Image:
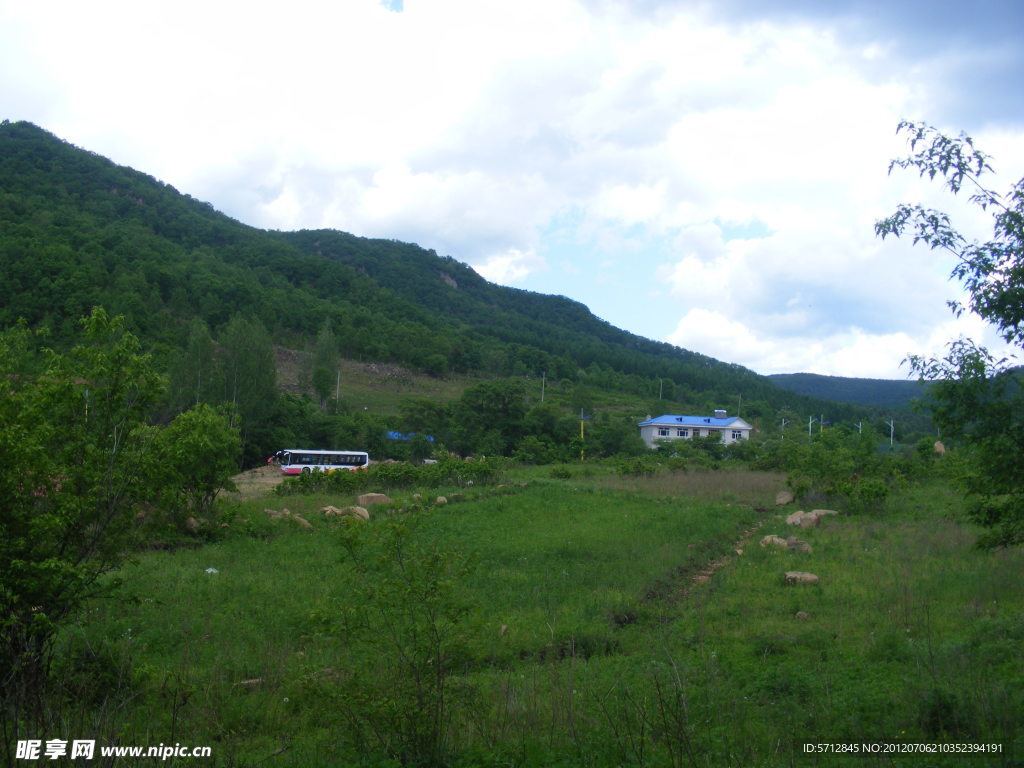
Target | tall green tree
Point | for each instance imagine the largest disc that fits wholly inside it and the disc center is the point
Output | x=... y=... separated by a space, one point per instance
x=489 y=416
x=976 y=397
x=73 y=445
x=325 y=364
x=193 y=459
x=249 y=370
x=193 y=376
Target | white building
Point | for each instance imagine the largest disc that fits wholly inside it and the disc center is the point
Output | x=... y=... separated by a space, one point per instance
x=669 y=427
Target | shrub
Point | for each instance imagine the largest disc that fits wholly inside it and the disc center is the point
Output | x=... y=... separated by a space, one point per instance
x=398 y=474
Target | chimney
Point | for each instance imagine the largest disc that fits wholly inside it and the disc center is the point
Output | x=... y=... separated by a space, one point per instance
x=719 y=413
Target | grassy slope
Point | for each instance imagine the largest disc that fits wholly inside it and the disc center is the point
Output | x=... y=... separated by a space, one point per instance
x=614 y=652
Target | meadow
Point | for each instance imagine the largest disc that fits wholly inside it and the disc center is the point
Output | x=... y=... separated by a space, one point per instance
x=568 y=617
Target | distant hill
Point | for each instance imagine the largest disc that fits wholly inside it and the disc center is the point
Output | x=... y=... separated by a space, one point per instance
x=879 y=393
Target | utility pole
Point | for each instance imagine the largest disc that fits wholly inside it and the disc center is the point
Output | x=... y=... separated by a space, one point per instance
x=892 y=430
x=784 y=423
x=543 y=381
x=810 y=423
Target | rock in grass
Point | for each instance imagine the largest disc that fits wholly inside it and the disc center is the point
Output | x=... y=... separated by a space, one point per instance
x=360 y=512
x=820 y=513
x=792 y=542
x=795 y=518
x=771 y=540
x=784 y=497
x=369 y=499
x=800 y=577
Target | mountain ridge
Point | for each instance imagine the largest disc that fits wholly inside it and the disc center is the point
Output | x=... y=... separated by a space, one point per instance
x=82 y=231
x=881 y=393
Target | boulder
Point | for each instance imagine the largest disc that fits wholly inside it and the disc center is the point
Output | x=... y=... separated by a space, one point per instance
x=441 y=500
x=800 y=577
x=369 y=499
x=803 y=615
x=191 y=525
x=810 y=519
x=784 y=497
x=939 y=448
x=359 y=512
x=795 y=518
x=273 y=514
x=792 y=542
x=771 y=540
x=303 y=522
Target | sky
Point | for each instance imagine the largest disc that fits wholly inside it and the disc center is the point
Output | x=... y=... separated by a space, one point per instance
x=702 y=173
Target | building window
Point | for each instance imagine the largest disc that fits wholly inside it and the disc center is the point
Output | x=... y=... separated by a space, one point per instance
x=662 y=433
x=682 y=433
x=737 y=434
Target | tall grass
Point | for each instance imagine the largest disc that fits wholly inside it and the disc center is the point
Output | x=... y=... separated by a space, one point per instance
x=586 y=639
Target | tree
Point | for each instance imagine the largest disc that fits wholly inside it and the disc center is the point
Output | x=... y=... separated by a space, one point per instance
x=73 y=445
x=490 y=416
x=976 y=397
x=325 y=363
x=193 y=376
x=193 y=460
x=250 y=373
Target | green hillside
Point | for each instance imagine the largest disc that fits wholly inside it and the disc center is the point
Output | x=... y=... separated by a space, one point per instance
x=203 y=291
x=881 y=393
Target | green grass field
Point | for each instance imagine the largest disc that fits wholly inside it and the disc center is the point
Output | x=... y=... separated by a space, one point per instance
x=589 y=620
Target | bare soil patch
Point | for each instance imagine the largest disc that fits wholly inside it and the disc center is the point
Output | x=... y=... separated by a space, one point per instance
x=254 y=483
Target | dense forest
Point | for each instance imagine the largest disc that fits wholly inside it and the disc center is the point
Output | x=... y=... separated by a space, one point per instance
x=211 y=298
x=882 y=393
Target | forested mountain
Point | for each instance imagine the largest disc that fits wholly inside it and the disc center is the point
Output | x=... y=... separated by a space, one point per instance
x=77 y=231
x=881 y=393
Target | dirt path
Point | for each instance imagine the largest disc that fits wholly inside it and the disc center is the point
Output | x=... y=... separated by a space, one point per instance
x=704 y=574
x=254 y=483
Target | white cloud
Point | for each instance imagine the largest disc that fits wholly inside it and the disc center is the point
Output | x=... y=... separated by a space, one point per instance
x=625 y=144
x=508 y=267
x=847 y=352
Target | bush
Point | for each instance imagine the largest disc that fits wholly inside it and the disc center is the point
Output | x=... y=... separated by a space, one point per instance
x=395 y=475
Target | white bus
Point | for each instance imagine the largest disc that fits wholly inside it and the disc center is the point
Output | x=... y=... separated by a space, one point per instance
x=296 y=461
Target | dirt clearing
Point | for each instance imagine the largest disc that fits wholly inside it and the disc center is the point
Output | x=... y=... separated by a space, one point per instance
x=255 y=482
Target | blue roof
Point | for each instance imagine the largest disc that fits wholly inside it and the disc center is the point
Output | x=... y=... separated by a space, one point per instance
x=393 y=435
x=669 y=420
